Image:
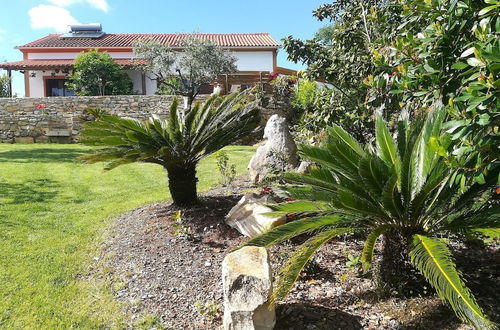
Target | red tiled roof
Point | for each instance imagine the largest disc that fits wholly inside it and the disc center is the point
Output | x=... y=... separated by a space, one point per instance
x=57 y=64
x=125 y=40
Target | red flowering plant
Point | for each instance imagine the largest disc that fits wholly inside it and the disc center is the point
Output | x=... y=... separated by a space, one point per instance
x=42 y=107
x=273 y=75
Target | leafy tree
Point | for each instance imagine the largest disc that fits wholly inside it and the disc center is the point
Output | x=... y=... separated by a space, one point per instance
x=401 y=190
x=96 y=73
x=4 y=86
x=183 y=73
x=448 y=51
x=325 y=34
x=345 y=58
x=178 y=143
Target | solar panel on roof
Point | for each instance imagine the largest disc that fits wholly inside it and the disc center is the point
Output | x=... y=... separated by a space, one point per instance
x=91 y=31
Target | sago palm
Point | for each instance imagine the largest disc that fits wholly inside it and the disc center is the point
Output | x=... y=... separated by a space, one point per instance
x=178 y=143
x=400 y=190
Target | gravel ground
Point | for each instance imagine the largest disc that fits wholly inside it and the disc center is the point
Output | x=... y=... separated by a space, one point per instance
x=157 y=267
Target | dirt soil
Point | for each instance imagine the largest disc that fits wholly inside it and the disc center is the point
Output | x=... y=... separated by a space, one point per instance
x=167 y=273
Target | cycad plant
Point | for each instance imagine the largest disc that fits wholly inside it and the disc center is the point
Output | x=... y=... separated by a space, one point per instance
x=178 y=143
x=400 y=190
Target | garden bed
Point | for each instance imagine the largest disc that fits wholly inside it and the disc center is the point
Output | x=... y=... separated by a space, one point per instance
x=167 y=275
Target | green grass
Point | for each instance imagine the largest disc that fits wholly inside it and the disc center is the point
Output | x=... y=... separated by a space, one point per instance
x=53 y=213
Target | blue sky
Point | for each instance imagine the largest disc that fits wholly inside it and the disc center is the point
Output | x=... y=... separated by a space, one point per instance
x=22 y=21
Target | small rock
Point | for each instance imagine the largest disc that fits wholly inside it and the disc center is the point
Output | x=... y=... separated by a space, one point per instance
x=248 y=216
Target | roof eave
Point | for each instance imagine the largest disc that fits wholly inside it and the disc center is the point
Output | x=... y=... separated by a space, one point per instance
x=21 y=48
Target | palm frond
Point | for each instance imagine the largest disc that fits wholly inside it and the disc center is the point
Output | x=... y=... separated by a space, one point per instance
x=433 y=258
x=369 y=247
x=293 y=229
x=307 y=193
x=387 y=148
x=485 y=217
x=488 y=232
x=301 y=207
x=339 y=135
x=289 y=273
x=423 y=157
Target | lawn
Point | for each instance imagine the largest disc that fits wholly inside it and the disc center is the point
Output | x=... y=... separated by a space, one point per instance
x=53 y=213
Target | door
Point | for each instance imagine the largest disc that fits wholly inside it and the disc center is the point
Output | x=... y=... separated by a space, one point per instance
x=56 y=87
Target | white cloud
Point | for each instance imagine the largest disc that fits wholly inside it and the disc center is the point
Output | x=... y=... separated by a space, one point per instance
x=98 y=4
x=51 y=17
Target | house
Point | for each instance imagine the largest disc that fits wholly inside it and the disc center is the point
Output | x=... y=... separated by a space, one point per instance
x=48 y=61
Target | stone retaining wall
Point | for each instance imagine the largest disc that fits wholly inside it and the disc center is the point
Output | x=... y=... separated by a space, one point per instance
x=59 y=119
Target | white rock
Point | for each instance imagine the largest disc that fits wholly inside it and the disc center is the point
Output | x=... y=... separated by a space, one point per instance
x=279 y=152
x=304 y=167
x=247 y=285
x=248 y=217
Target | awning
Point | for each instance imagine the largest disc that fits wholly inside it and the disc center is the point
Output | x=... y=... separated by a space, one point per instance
x=58 y=64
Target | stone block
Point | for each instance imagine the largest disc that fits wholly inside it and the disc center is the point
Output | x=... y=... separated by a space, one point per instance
x=24 y=139
x=247 y=285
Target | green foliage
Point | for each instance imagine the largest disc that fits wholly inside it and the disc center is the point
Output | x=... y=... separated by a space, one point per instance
x=303 y=98
x=227 y=171
x=200 y=63
x=398 y=184
x=210 y=310
x=433 y=258
x=447 y=52
x=96 y=73
x=177 y=143
x=343 y=60
x=4 y=85
x=96 y=112
x=352 y=261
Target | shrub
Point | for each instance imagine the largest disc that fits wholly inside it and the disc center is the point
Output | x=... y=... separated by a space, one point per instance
x=401 y=190
x=227 y=171
x=4 y=85
x=96 y=73
x=177 y=144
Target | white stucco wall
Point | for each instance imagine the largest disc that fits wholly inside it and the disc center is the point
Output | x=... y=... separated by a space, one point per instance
x=254 y=61
x=36 y=82
x=136 y=78
x=36 y=87
x=245 y=61
x=73 y=55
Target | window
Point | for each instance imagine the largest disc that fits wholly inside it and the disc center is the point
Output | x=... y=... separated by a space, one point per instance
x=56 y=87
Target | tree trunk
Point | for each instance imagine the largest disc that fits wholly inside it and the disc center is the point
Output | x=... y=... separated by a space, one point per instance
x=182 y=184
x=395 y=275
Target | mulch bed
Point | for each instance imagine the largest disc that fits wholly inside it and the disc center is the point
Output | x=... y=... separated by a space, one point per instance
x=158 y=267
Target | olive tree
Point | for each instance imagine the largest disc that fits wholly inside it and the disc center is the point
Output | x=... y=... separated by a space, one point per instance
x=183 y=73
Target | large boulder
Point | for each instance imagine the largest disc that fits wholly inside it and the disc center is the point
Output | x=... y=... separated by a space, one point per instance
x=279 y=153
x=248 y=216
x=247 y=285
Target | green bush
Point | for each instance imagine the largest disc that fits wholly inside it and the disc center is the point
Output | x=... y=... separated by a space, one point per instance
x=400 y=189
x=96 y=73
x=4 y=86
